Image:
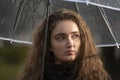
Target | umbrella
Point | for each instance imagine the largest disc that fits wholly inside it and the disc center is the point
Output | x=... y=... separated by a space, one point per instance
x=18 y=17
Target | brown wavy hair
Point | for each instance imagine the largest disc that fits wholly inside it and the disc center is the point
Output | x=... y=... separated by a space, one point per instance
x=88 y=64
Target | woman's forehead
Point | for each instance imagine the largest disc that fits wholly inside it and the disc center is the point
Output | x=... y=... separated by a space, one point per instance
x=65 y=26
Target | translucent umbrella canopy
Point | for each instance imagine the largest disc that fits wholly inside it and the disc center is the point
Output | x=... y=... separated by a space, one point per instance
x=111 y=4
x=18 y=18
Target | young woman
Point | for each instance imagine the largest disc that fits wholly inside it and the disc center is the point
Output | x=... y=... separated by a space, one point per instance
x=71 y=53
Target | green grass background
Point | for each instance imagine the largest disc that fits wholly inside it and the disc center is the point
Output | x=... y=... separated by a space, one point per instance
x=12 y=57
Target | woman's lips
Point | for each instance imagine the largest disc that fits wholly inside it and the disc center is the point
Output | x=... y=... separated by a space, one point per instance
x=69 y=52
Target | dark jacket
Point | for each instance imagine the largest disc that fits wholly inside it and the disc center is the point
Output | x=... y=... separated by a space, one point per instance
x=58 y=71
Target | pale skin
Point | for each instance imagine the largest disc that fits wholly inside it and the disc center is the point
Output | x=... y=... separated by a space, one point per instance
x=65 y=41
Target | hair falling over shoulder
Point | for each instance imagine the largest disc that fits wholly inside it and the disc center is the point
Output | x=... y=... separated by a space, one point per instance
x=88 y=64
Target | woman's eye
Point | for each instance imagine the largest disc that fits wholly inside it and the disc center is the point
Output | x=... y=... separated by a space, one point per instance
x=60 y=38
x=75 y=36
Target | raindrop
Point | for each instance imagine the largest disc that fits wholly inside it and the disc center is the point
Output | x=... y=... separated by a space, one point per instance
x=3 y=20
x=108 y=4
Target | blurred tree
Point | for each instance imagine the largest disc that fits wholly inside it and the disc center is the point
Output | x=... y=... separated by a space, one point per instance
x=11 y=58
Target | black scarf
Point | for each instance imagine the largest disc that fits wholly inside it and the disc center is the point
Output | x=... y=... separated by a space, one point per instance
x=58 y=71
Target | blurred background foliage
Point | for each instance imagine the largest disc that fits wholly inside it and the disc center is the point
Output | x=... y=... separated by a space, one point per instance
x=12 y=57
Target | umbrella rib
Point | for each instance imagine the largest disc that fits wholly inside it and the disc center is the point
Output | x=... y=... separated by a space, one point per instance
x=107 y=45
x=108 y=24
x=81 y=1
x=17 y=19
x=76 y=6
x=17 y=41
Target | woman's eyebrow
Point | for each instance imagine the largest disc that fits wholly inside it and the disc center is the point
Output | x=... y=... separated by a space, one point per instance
x=60 y=34
x=75 y=32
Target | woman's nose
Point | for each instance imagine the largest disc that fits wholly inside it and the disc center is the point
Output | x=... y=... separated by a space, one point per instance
x=69 y=42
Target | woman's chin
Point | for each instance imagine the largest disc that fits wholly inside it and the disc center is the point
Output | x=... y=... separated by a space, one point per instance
x=70 y=59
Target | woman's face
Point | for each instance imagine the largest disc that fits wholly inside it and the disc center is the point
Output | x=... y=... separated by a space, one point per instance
x=65 y=41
